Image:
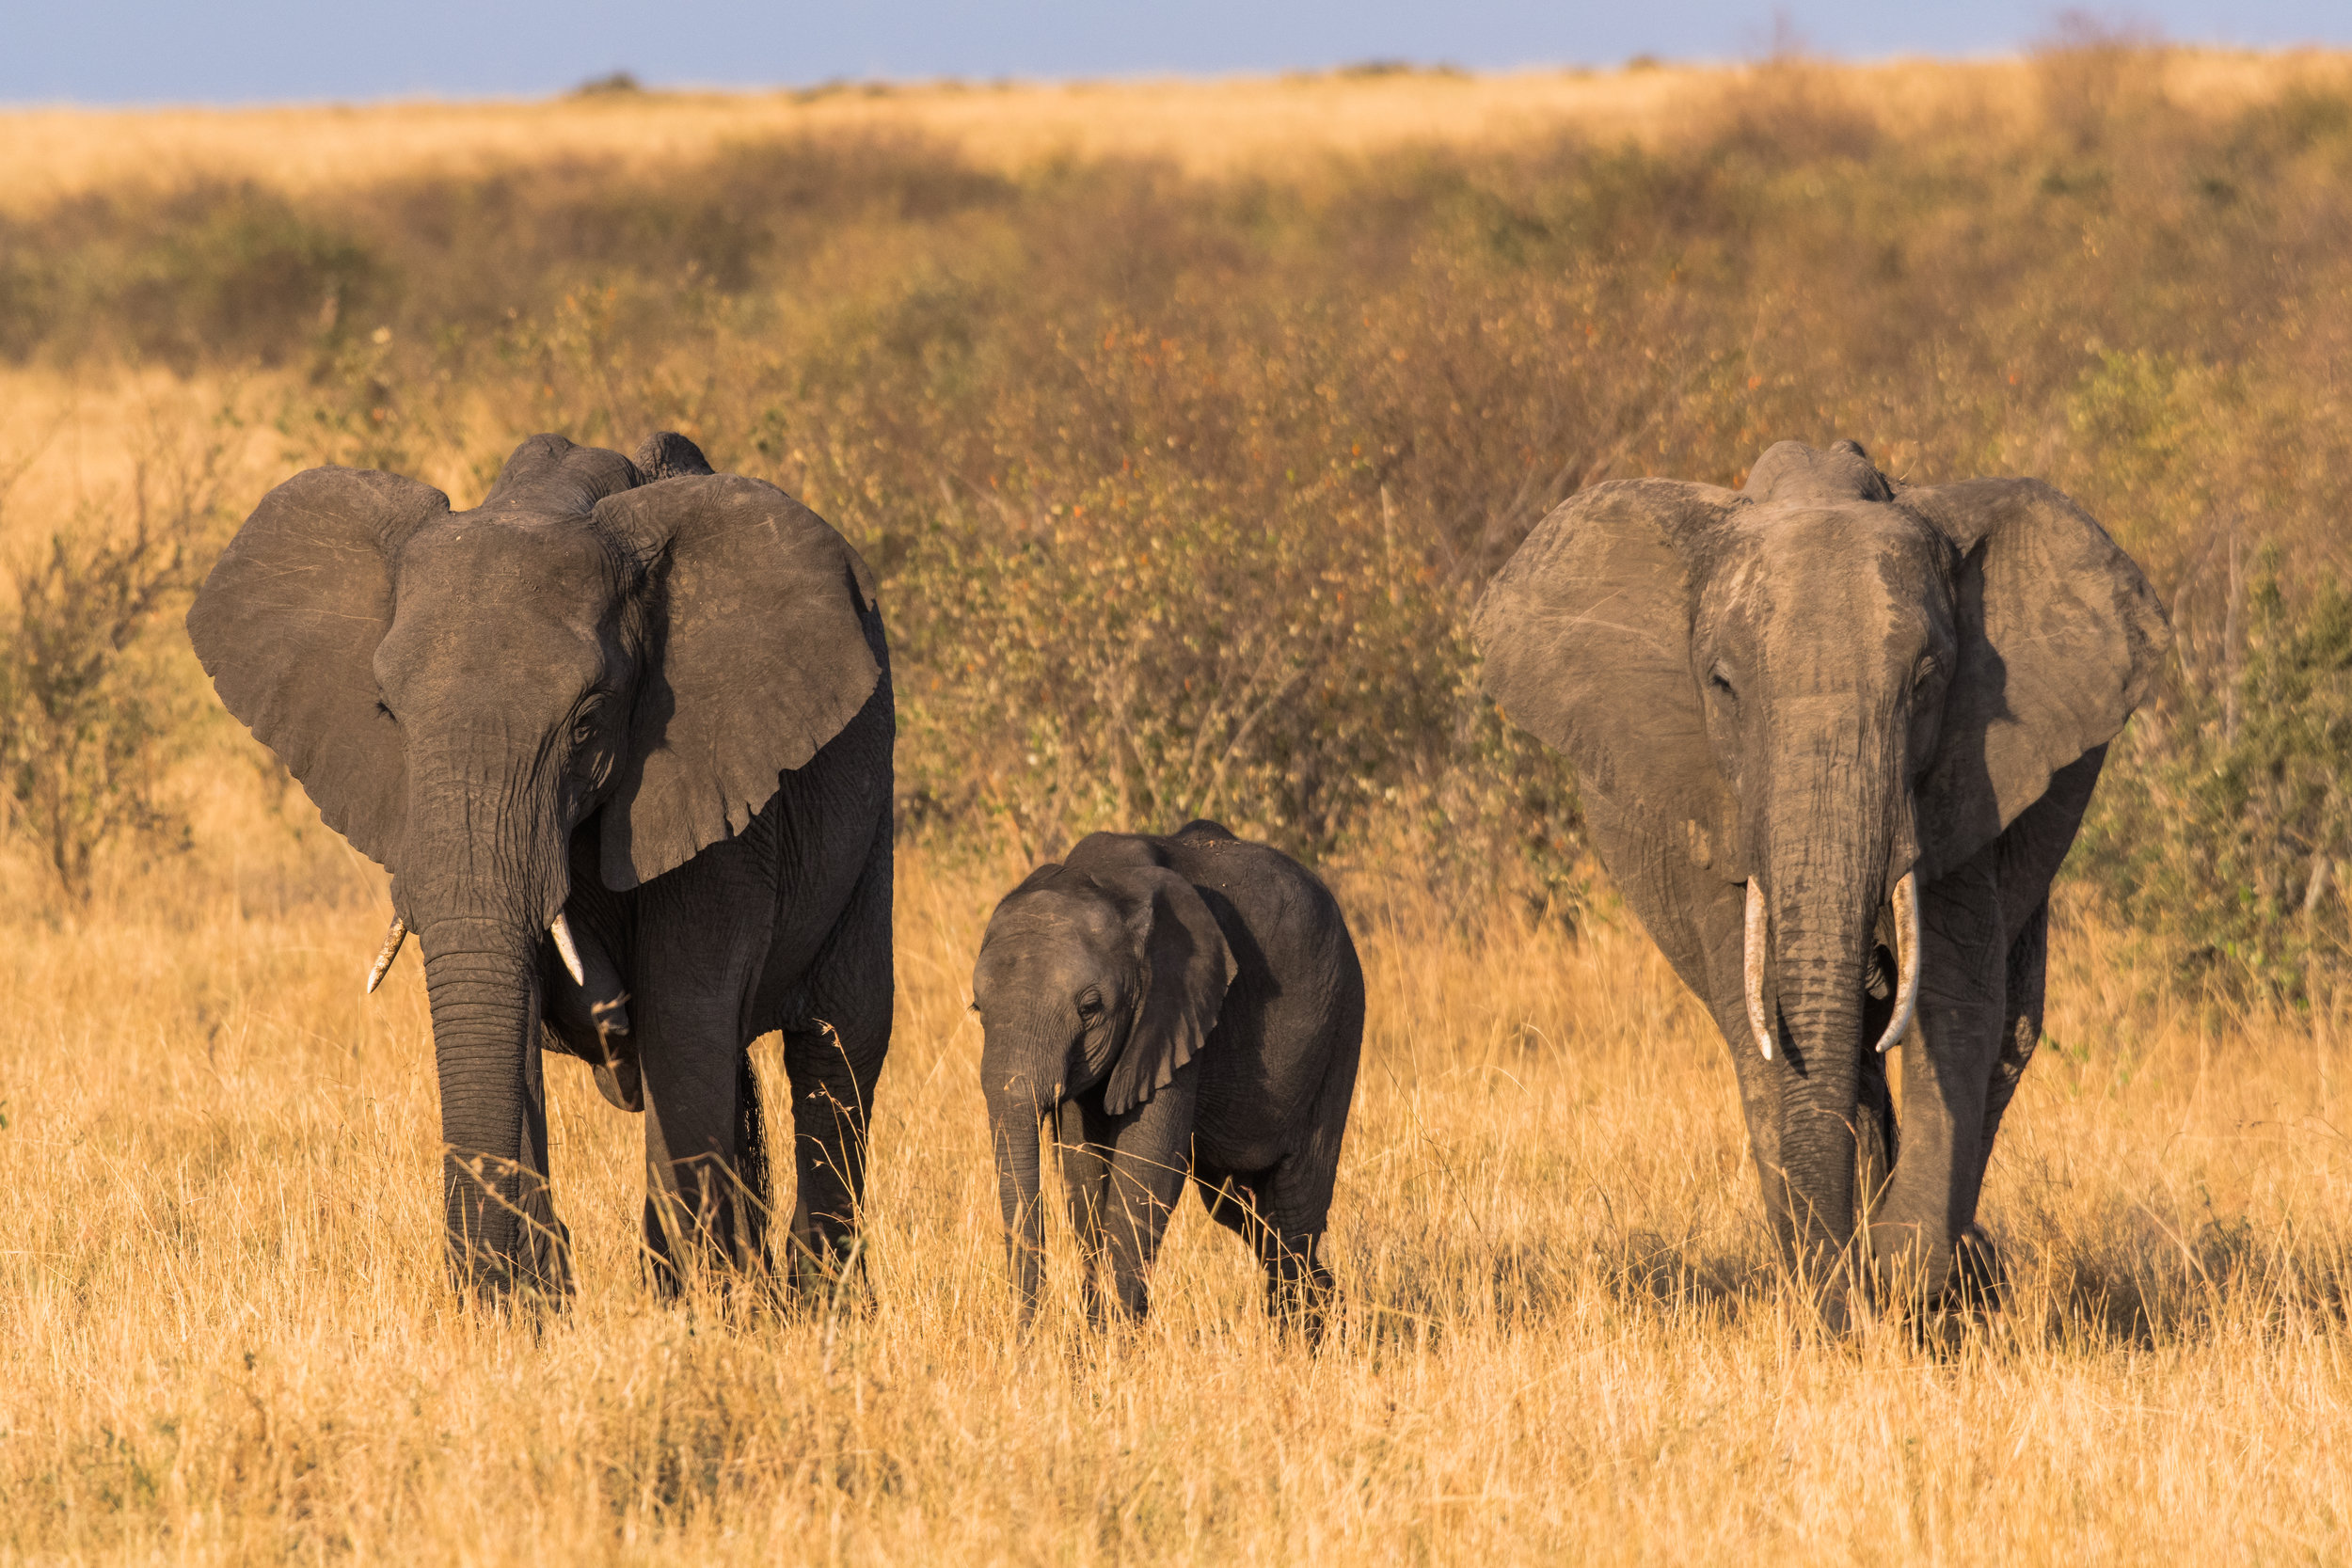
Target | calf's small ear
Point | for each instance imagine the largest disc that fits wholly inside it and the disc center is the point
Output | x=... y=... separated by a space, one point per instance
x=1186 y=968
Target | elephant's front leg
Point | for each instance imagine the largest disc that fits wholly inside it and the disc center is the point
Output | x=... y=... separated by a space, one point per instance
x=707 y=1189
x=1947 y=1068
x=1083 y=1132
x=1149 y=1162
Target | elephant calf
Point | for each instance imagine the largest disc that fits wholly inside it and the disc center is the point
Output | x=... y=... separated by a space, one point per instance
x=1169 y=1005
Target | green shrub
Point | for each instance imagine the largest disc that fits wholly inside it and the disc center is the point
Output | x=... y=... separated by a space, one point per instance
x=84 y=723
x=2224 y=823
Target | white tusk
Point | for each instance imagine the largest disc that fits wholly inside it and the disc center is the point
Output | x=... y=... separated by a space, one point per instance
x=562 y=931
x=1759 y=928
x=1906 y=961
x=390 y=950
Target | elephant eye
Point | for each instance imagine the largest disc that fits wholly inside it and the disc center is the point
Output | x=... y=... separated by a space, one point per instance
x=584 y=732
x=1090 y=1005
x=1721 y=682
x=1928 y=667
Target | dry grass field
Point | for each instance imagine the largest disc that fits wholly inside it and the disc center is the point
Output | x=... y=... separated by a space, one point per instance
x=1199 y=125
x=227 y=1337
x=223 y=1331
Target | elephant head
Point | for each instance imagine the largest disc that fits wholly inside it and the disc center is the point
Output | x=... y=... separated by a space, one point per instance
x=1099 y=977
x=1831 y=690
x=596 y=673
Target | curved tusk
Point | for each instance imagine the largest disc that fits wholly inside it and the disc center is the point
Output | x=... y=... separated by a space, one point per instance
x=1906 y=961
x=562 y=931
x=390 y=950
x=1759 y=928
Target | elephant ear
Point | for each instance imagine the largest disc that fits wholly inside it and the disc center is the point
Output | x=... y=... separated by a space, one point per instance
x=762 y=642
x=2061 y=638
x=1586 y=636
x=1186 y=967
x=287 y=625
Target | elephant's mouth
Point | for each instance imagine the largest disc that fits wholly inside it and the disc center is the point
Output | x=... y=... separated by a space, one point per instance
x=597 y=1011
x=1757 y=943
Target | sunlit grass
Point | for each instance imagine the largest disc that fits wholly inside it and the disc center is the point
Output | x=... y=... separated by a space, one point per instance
x=228 y=1335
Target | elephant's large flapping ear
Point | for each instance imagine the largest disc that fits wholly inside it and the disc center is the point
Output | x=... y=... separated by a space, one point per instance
x=1186 y=968
x=287 y=625
x=758 y=648
x=1586 y=634
x=2061 y=638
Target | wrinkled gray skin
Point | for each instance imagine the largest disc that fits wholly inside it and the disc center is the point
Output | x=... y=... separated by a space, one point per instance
x=1168 y=1006
x=1824 y=680
x=655 y=699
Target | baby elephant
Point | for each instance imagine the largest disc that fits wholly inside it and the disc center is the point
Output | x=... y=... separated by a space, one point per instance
x=1187 y=1005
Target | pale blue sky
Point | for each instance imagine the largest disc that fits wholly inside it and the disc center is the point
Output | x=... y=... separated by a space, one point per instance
x=232 y=51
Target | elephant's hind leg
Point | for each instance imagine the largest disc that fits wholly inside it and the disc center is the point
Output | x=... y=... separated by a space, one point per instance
x=1280 y=1215
x=832 y=1056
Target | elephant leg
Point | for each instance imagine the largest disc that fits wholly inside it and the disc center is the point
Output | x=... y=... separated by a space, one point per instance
x=2021 y=1033
x=1759 y=1083
x=1976 y=1264
x=1084 y=1131
x=833 y=1097
x=1295 y=1203
x=703 y=1185
x=1875 y=1136
x=833 y=1057
x=1298 y=1208
x=1295 y=1280
x=1149 y=1162
x=1947 y=1067
x=547 y=1245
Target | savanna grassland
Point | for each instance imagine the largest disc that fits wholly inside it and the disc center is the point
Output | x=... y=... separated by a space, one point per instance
x=1182 y=423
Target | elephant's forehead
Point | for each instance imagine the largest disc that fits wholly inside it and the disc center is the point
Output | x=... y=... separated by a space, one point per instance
x=1047 y=927
x=477 y=598
x=1778 y=530
x=472 y=559
x=1831 y=554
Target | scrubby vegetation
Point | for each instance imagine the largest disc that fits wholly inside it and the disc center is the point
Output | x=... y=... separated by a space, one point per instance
x=1182 y=485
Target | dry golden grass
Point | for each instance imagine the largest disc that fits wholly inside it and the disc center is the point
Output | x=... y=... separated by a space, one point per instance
x=1203 y=126
x=227 y=1337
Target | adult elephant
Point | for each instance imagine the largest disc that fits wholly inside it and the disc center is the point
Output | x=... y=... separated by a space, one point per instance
x=622 y=734
x=1834 y=736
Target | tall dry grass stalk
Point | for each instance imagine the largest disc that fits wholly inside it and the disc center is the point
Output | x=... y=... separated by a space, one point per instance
x=227 y=1335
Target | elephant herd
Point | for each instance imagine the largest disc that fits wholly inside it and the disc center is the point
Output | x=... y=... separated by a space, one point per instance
x=622 y=734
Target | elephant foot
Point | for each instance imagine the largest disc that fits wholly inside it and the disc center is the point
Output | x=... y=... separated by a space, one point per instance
x=1978 y=1282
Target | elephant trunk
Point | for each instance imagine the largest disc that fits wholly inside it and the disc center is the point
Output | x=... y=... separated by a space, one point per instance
x=502 y=1230
x=1825 y=878
x=1015 y=1126
x=482 y=877
x=1021 y=1093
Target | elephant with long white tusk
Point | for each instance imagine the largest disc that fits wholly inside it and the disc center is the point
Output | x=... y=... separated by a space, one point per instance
x=1834 y=736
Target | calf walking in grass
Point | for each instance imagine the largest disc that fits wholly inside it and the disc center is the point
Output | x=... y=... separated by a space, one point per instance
x=1187 y=1005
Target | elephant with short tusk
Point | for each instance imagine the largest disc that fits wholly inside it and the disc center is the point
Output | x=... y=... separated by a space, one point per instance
x=1833 y=737
x=622 y=734
x=1164 y=1007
